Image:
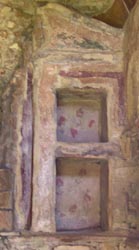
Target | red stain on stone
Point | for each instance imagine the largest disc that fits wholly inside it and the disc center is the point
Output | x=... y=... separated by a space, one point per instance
x=87 y=197
x=85 y=74
x=74 y=132
x=91 y=123
x=79 y=112
x=59 y=182
x=73 y=208
x=61 y=120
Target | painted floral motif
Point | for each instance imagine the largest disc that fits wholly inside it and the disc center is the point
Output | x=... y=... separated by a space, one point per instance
x=74 y=132
x=61 y=120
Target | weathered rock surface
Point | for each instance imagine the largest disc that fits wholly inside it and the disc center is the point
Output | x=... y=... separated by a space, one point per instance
x=15 y=31
x=91 y=7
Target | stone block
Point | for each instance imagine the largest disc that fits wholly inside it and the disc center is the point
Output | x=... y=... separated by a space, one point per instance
x=71 y=248
x=5 y=200
x=5 y=220
x=5 y=180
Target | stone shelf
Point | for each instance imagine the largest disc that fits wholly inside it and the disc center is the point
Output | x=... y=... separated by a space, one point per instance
x=87 y=150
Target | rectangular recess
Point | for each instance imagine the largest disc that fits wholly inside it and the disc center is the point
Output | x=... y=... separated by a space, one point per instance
x=81 y=116
x=81 y=194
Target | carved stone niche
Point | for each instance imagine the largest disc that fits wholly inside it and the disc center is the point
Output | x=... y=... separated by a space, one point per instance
x=74 y=132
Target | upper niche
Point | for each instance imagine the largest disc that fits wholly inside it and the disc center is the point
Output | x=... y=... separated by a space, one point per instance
x=81 y=116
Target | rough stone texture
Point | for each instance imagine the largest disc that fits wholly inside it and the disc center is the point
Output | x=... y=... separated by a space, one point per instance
x=71 y=248
x=15 y=31
x=90 y=7
x=25 y=5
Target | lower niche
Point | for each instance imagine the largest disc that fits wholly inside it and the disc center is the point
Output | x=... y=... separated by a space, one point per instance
x=81 y=194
